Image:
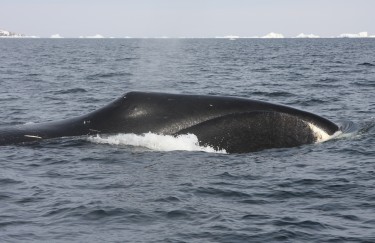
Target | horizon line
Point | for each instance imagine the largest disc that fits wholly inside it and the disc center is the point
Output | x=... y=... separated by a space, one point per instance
x=271 y=35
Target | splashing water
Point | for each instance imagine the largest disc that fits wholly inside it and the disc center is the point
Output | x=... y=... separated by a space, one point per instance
x=187 y=142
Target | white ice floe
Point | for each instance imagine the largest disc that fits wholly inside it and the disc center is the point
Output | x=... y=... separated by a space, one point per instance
x=56 y=36
x=359 y=35
x=273 y=35
x=302 y=35
x=8 y=34
x=231 y=37
x=97 y=36
x=4 y=33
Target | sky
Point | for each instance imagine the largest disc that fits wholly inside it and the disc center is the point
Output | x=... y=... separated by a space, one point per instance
x=186 y=18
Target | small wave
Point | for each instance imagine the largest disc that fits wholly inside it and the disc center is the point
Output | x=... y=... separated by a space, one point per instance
x=71 y=91
x=188 y=142
x=364 y=84
x=14 y=223
x=328 y=80
x=367 y=64
x=108 y=75
x=169 y=199
x=311 y=102
x=33 y=74
x=217 y=192
x=4 y=181
x=368 y=126
x=348 y=127
x=180 y=214
x=3 y=196
x=126 y=59
x=300 y=224
x=274 y=94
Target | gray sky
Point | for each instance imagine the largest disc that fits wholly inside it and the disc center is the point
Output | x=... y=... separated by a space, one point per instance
x=186 y=18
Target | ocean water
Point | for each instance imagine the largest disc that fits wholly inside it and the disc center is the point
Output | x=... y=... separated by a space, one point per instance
x=155 y=189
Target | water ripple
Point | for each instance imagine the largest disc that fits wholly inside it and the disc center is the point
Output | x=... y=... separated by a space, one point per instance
x=71 y=190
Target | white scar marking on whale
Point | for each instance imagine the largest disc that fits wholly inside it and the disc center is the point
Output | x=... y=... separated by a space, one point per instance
x=320 y=135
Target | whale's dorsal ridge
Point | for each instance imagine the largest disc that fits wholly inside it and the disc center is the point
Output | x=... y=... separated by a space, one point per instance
x=229 y=123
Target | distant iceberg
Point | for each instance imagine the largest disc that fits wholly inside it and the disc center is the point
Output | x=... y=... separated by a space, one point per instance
x=302 y=35
x=359 y=35
x=273 y=35
x=231 y=37
x=5 y=33
x=56 y=36
x=97 y=36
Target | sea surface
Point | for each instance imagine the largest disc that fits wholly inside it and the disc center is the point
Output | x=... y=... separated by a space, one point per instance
x=88 y=189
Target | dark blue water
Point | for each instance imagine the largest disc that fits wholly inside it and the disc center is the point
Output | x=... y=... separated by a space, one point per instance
x=74 y=189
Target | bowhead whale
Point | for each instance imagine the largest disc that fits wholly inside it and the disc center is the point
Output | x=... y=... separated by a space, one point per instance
x=236 y=125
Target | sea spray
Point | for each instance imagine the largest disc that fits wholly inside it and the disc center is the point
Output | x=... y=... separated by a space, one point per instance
x=187 y=142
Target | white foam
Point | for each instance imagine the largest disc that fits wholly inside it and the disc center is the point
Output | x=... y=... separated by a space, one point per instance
x=187 y=142
x=29 y=123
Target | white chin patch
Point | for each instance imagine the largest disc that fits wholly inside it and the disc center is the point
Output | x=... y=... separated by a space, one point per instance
x=319 y=134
